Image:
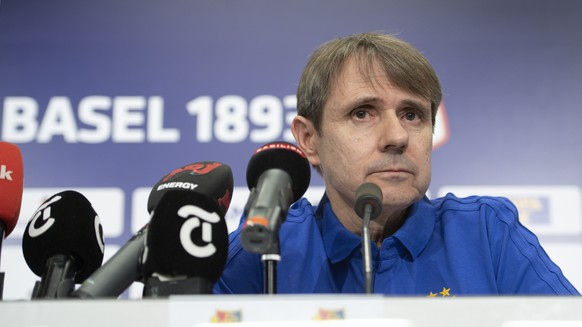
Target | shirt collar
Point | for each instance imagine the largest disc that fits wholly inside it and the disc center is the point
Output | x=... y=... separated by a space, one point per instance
x=339 y=242
x=418 y=227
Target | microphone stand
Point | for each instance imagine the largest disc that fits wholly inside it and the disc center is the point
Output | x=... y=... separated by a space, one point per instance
x=57 y=280
x=2 y=233
x=367 y=251
x=270 y=259
x=158 y=286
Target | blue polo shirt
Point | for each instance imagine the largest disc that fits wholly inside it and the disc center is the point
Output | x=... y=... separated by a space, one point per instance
x=446 y=247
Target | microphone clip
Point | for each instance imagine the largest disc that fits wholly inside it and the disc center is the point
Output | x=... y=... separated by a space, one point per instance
x=157 y=286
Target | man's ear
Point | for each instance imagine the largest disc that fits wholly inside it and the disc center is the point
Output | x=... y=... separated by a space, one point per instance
x=307 y=138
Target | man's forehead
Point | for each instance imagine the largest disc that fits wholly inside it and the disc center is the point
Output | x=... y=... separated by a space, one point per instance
x=357 y=71
x=363 y=72
x=357 y=74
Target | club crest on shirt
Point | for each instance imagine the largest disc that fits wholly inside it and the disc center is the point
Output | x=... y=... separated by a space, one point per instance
x=446 y=292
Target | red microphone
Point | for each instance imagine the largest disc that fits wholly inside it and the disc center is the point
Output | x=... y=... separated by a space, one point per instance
x=11 y=180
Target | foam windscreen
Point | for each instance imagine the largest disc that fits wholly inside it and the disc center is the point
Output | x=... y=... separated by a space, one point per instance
x=65 y=223
x=211 y=178
x=284 y=156
x=368 y=194
x=187 y=236
x=11 y=185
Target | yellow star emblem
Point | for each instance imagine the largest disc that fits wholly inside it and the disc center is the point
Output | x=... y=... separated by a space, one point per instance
x=432 y=294
x=445 y=292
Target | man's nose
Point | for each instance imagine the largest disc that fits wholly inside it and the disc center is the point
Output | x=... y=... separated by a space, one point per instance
x=395 y=136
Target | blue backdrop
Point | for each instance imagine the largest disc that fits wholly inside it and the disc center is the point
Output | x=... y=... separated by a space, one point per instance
x=106 y=97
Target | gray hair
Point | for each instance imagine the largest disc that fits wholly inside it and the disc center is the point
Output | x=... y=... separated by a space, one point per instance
x=404 y=66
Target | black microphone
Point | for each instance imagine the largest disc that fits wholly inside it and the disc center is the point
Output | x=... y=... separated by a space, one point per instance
x=368 y=206
x=210 y=178
x=63 y=244
x=186 y=245
x=125 y=267
x=278 y=174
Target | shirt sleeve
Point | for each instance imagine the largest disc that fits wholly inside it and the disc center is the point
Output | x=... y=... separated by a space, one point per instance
x=243 y=271
x=521 y=264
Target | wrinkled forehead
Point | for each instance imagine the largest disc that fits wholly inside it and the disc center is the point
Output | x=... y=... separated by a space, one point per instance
x=374 y=69
x=367 y=71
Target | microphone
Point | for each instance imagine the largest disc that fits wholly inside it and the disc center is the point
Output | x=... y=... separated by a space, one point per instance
x=11 y=186
x=278 y=175
x=117 y=274
x=125 y=266
x=186 y=245
x=368 y=206
x=211 y=178
x=63 y=244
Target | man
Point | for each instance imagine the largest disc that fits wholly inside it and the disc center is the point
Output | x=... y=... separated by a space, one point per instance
x=366 y=112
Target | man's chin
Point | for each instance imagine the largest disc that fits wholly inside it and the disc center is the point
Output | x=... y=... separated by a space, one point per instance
x=401 y=198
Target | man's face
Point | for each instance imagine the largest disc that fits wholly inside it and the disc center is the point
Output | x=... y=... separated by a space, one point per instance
x=372 y=131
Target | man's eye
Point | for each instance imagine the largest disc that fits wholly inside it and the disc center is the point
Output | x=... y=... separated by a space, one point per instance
x=360 y=114
x=410 y=115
